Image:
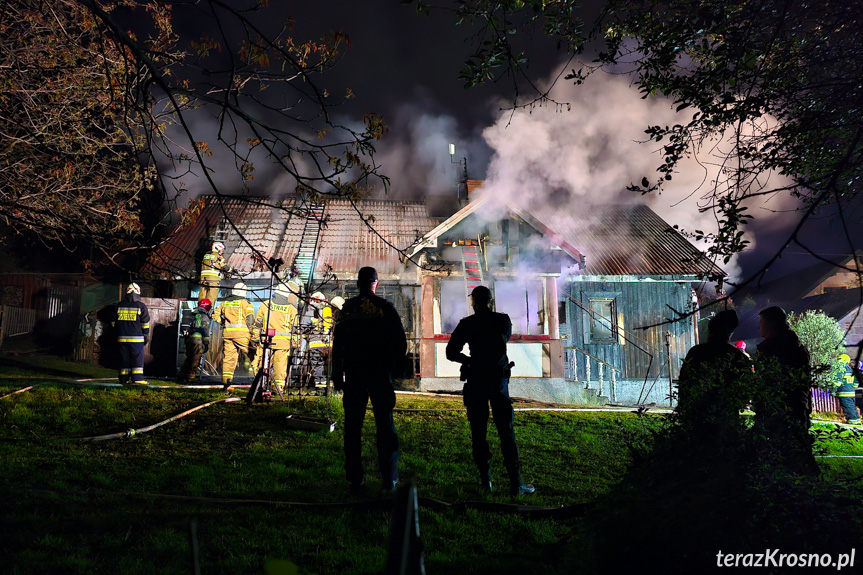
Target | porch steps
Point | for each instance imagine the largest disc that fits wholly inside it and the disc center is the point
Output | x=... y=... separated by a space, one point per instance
x=592 y=397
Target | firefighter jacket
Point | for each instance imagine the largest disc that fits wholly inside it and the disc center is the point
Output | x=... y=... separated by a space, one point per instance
x=283 y=315
x=214 y=266
x=849 y=377
x=486 y=333
x=236 y=316
x=368 y=338
x=199 y=326
x=133 y=320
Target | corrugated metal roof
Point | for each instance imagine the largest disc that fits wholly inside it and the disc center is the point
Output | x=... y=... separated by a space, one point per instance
x=346 y=243
x=626 y=240
x=614 y=239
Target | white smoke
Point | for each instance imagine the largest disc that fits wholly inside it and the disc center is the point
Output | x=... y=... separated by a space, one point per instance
x=596 y=149
x=415 y=152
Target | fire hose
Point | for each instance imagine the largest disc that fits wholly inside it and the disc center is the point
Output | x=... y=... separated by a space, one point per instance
x=534 y=511
x=17 y=391
x=129 y=433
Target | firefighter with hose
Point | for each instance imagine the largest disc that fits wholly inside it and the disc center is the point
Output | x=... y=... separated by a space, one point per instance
x=196 y=332
x=237 y=318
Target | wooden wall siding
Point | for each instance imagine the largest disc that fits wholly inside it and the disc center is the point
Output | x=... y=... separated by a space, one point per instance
x=640 y=304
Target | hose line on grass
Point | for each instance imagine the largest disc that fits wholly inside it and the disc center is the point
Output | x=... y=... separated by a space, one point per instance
x=129 y=433
x=536 y=511
x=17 y=391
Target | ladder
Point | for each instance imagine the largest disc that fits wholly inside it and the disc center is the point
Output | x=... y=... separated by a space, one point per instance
x=471 y=270
x=304 y=262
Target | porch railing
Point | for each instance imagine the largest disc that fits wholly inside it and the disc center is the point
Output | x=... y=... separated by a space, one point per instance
x=601 y=367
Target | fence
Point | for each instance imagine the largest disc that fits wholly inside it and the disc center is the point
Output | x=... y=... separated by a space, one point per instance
x=824 y=402
x=18 y=321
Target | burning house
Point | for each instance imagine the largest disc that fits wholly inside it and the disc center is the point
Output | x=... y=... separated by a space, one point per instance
x=582 y=292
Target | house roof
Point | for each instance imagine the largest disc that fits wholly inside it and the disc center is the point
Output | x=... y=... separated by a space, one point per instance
x=835 y=303
x=614 y=239
x=346 y=243
x=795 y=285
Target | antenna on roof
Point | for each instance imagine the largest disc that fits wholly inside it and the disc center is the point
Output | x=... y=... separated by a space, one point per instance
x=461 y=180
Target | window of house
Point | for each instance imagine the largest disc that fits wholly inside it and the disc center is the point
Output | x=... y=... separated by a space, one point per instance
x=453 y=303
x=603 y=319
x=524 y=302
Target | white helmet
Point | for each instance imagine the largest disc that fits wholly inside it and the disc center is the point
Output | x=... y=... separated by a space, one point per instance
x=134 y=288
x=239 y=289
x=284 y=289
x=318 y=299
x=218 y=246
x=337 y=302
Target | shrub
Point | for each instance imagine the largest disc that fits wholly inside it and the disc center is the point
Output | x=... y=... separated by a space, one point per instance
x=825 y=339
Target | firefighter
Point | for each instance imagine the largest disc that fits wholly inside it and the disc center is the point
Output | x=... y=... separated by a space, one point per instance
x=368 y=345
x=133 y=332
x=237 y=318
x=283 y=315
x=197 y=336
x=487 y=372
x=322 y=321
x=213 y=268
x=846 y=390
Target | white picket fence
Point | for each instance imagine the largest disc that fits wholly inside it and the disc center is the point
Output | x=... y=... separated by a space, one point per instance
x=18 y=321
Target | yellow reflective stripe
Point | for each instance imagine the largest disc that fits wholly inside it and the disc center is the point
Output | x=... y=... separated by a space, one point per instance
x=198 y=335
x=845 y=394
x=137 y=370
x=136 y=339
x=124 y=371
x=210 y=273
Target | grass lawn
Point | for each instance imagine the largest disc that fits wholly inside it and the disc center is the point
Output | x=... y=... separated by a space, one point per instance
x=79 y=507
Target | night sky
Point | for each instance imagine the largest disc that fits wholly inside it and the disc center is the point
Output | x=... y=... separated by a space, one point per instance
x=405 y=67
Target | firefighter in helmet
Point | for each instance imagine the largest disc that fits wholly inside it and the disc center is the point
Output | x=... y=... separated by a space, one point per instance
x=196 y=331
x=133 y=332
x=282 y=318
x=322 y=320
x=846 y=390
x=213 y=268
x=237 y=318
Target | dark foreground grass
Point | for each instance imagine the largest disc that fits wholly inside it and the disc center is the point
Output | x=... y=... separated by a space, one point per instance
x=126 y=506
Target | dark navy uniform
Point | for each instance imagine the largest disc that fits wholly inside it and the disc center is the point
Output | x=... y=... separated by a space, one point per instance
x=133 y=332
x=197 y=338
x=486 y=333
x=368 y=345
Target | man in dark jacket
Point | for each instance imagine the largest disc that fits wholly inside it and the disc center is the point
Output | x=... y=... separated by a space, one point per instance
x=714 y=385
x=487 y=370
x=197 y=339
x=785 y=400
x=369 y=344
x=133 y=332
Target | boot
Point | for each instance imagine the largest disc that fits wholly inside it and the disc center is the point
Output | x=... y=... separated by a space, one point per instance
x=516 y=485
x=485 y=485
